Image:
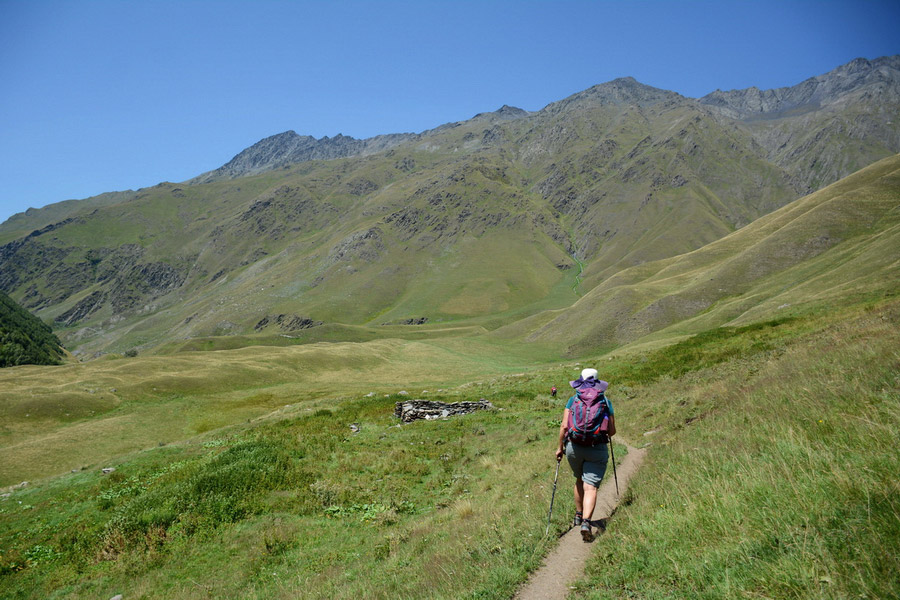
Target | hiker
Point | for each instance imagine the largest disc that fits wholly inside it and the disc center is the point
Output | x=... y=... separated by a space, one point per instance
x=587 y=459
x=553 y=391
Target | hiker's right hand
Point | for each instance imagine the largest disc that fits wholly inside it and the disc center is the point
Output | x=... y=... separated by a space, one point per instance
x=559 y=454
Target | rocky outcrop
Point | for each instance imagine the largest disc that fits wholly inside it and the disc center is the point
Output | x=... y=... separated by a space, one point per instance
x=412 y=410
x=21 y=260
x=143 y=283
x=82 y=310
x=286 y=322
x=412 y=321
x=280 y=212
x=504 y=113
x=365 y=245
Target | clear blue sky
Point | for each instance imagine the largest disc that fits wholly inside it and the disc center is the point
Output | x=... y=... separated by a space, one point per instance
x=99 y=96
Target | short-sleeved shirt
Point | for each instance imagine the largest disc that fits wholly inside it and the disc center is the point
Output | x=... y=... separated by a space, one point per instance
x=608 y=404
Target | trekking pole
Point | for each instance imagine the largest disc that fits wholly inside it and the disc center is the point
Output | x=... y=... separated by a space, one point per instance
x=555 y=477
x=615 y=476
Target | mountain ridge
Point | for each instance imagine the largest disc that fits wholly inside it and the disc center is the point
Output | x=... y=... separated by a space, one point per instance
x=815 y=91
x=475 y=224
x=288 y=147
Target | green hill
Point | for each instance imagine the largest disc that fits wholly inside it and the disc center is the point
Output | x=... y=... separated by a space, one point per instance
x=833 y=247
x=25 y=339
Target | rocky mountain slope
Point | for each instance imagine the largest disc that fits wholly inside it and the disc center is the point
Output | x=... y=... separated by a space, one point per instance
x=858 y=77
x=825 y=127
x=479 y=223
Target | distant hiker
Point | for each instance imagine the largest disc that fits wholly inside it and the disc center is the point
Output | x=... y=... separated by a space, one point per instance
x=553 y=391
x=584 y=433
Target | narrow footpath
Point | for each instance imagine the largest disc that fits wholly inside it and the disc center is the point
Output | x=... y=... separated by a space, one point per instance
x=565 y=564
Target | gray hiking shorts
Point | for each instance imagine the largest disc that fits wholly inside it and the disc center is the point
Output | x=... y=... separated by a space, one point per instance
x=588 y=462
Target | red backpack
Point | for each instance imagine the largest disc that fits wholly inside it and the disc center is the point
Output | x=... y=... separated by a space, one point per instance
x=589 y=418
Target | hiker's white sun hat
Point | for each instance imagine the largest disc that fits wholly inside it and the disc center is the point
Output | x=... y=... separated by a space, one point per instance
x=587 y=373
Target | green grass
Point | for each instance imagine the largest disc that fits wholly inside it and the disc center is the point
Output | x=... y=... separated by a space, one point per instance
x=771 y=473
x=286 y=504
x=54 y=420
x=705 y=350
x=775 y=477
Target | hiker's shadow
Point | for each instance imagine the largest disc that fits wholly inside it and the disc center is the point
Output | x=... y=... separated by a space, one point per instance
x=601 y=529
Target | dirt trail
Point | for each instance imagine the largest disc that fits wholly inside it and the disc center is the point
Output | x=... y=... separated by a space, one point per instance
x=565 y=564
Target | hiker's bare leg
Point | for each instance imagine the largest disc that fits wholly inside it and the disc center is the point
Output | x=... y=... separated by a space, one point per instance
x=589 y=500
x=579 y=495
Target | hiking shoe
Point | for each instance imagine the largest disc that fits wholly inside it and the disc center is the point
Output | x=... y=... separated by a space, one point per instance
x=578 y=519
x=586 y=533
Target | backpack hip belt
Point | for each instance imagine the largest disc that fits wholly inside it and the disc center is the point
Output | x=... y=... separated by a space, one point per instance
x=598 y=442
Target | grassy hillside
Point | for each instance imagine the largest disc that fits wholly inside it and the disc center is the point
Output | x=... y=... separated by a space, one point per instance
x=34 y=219
x=832 y=247
x=777 y=476
x=769 y=461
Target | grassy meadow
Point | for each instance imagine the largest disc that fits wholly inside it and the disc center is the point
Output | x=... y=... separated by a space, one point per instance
x=771 y=473
x=80 y=414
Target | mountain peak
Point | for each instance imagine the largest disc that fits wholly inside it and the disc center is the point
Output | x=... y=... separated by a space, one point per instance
x=504 y=113
x=511 y=111
x=619 y=91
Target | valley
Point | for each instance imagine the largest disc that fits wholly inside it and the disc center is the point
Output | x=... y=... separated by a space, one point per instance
x=222 y=424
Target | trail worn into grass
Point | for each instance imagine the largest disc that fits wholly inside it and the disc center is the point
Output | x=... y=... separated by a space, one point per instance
x=565 y=564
